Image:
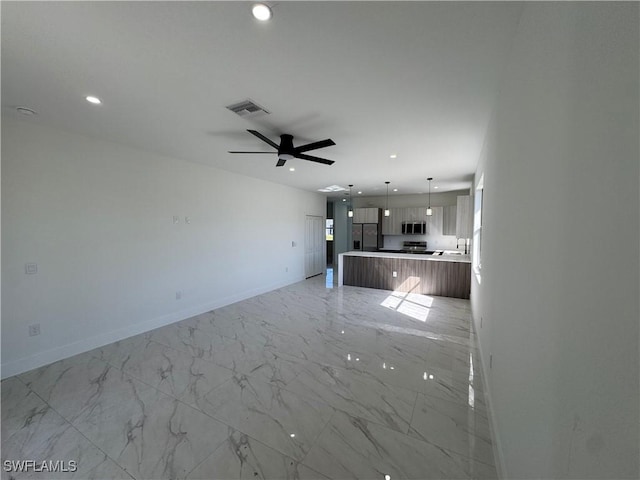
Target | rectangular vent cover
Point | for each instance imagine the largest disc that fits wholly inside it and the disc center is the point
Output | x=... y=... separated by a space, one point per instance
x=246 y=107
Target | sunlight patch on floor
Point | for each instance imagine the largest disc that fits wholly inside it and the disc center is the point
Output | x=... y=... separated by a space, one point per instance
x=410 y=304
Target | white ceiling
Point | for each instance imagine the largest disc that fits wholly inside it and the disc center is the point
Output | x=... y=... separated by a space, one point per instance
x=417 y=79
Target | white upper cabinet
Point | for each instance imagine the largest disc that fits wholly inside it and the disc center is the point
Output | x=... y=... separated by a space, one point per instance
x=442 y=222
x=366 y=215
x=434 y=221
x=463 y=217
x=449 y=220
x=392 y=225
x=415 y=214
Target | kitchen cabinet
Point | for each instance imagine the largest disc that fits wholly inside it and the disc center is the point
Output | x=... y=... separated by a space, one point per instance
x=449 y=220
x=414 y=214
x=366 y=215
x=434 y=222
x=392 y=225
x=463 y=217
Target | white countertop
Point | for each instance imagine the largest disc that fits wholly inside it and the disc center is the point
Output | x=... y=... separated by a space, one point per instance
x=413 y=256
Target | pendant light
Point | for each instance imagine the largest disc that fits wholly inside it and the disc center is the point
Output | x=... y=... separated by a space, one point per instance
x=350 y=212
x=429 y=211
x=387 y=212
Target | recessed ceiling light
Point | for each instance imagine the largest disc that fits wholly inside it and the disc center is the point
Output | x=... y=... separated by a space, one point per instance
x=435 y=188
x=26 y=111
x=344 y=199
x=393 y=155
x=359 y=193
x=292 y=169
x=395 y=189
x=261 y=12
x=92 y=99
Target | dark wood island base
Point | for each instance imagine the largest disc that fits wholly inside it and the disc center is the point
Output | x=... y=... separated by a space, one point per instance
x=416 y=274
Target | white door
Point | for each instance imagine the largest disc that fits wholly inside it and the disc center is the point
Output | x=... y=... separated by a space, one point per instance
x=313 y=246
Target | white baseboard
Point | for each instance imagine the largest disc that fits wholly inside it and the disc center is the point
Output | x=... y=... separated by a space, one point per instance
x=498 y=456
x=40 y=359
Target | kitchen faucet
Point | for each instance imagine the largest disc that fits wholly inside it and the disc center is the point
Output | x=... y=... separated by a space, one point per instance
x=466 y=244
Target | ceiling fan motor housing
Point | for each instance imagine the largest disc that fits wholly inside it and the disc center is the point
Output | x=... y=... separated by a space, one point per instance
x=286 y=147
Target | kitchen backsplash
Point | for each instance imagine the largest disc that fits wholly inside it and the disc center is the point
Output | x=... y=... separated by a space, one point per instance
x=434 y=242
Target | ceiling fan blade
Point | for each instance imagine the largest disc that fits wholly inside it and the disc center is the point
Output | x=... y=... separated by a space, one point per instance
x=264 y=139
x=314 y=159
x=315 y=145
x=270 y=153
x=281 y=162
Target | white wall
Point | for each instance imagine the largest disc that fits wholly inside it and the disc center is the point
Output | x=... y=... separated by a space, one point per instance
x=97 y=218
x=560 y=278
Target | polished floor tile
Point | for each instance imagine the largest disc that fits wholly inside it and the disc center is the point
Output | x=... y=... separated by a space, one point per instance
x=257 y=361
x=459 y=428
x=357 y=395
x=33 y=430
x=171 y=371
x=352 y=447
x=244 y=458
x=286 y=421
x=307 y=381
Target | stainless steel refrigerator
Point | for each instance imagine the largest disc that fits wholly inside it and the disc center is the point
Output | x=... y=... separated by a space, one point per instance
x=366 y=236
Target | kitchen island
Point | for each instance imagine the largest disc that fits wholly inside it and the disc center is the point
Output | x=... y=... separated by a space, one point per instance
x=443 y=275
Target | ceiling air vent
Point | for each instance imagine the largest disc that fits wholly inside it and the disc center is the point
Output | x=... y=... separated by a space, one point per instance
x=246 y=107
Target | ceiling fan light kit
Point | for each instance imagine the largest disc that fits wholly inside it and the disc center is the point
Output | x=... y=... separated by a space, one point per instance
x=286 y=150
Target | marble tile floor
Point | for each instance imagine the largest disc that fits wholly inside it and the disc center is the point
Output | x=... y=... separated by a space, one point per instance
x=308 y=381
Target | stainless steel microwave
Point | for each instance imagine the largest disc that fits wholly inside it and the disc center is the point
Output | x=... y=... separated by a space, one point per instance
x=414 y=228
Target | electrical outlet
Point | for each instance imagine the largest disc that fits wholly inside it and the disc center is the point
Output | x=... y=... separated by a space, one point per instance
x=178 y=295
x=395 y=274
x=30 y=268
x=34 y=329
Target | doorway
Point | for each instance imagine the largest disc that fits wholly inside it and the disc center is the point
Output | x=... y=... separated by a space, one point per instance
x=314 y=246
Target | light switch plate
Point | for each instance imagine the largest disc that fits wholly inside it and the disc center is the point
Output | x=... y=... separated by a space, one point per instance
x=30 y=268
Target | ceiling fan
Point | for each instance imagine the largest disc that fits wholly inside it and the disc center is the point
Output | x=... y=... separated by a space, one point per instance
x=286 y=150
